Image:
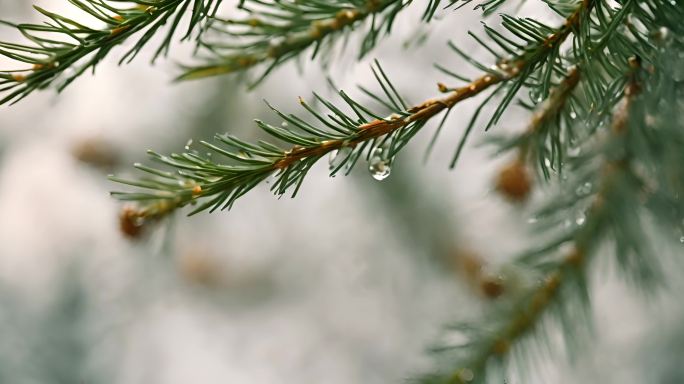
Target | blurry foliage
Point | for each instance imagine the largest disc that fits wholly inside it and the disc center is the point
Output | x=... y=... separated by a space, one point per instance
x=50 y=343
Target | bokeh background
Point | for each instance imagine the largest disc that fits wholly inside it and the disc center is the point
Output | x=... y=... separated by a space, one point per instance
x=348 y=283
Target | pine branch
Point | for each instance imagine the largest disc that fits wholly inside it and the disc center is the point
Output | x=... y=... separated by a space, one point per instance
x=62 y=49
x=624 y=166
x=280 y=31
x=199 y=178
x=585 y=93
x=283 y=30
x=564 y=280
x=537 y=75
x=514 y=180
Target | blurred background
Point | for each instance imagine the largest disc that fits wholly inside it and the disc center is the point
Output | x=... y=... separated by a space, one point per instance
x=348 y=283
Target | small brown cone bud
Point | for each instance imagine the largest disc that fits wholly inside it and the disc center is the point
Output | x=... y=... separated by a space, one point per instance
x=200 y=269
x=95 y=152
x=575 y=258
x=130 y=223
x=514 y=182
x=492 y=287
x=470 y=263
x=197 y=190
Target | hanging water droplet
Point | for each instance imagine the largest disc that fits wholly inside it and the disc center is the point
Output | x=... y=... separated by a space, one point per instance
x=276 y=42
x=502 y=70
x=536 y=96
x=188 y=144
x=284 y=124
x=574 y=151
x=547 y=163
x=573 y=115
x=337 y=157
x=379 y=165
x=581 y=219
x=681 y=239
x=379 y=169
x=66 y=76
x=678 y=71
x=583 y=189
x=663 y=33
x=466 y=374
x=456 y=338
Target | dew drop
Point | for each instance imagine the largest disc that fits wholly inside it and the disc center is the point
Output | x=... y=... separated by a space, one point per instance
x=466 y=374
x=681 y=239
x=678 y=71
x=284 y=124
x=536 y=96
x=188 y=144
x=504 y=66
x=496 y=69
x=456 y=338
x=67 y=75
x=581 y=219
x=583 y=189
x=573 y=115
x=501 y=69
x=663 y=33
x=337 y=157
x=274 y=43
x=379 y=165
x=574 y=151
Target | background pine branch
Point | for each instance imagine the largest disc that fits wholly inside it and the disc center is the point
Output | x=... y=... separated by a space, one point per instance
x=63 y=49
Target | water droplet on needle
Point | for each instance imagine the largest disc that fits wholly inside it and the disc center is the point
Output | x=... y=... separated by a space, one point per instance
x=339 y=156
x=379 y=165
